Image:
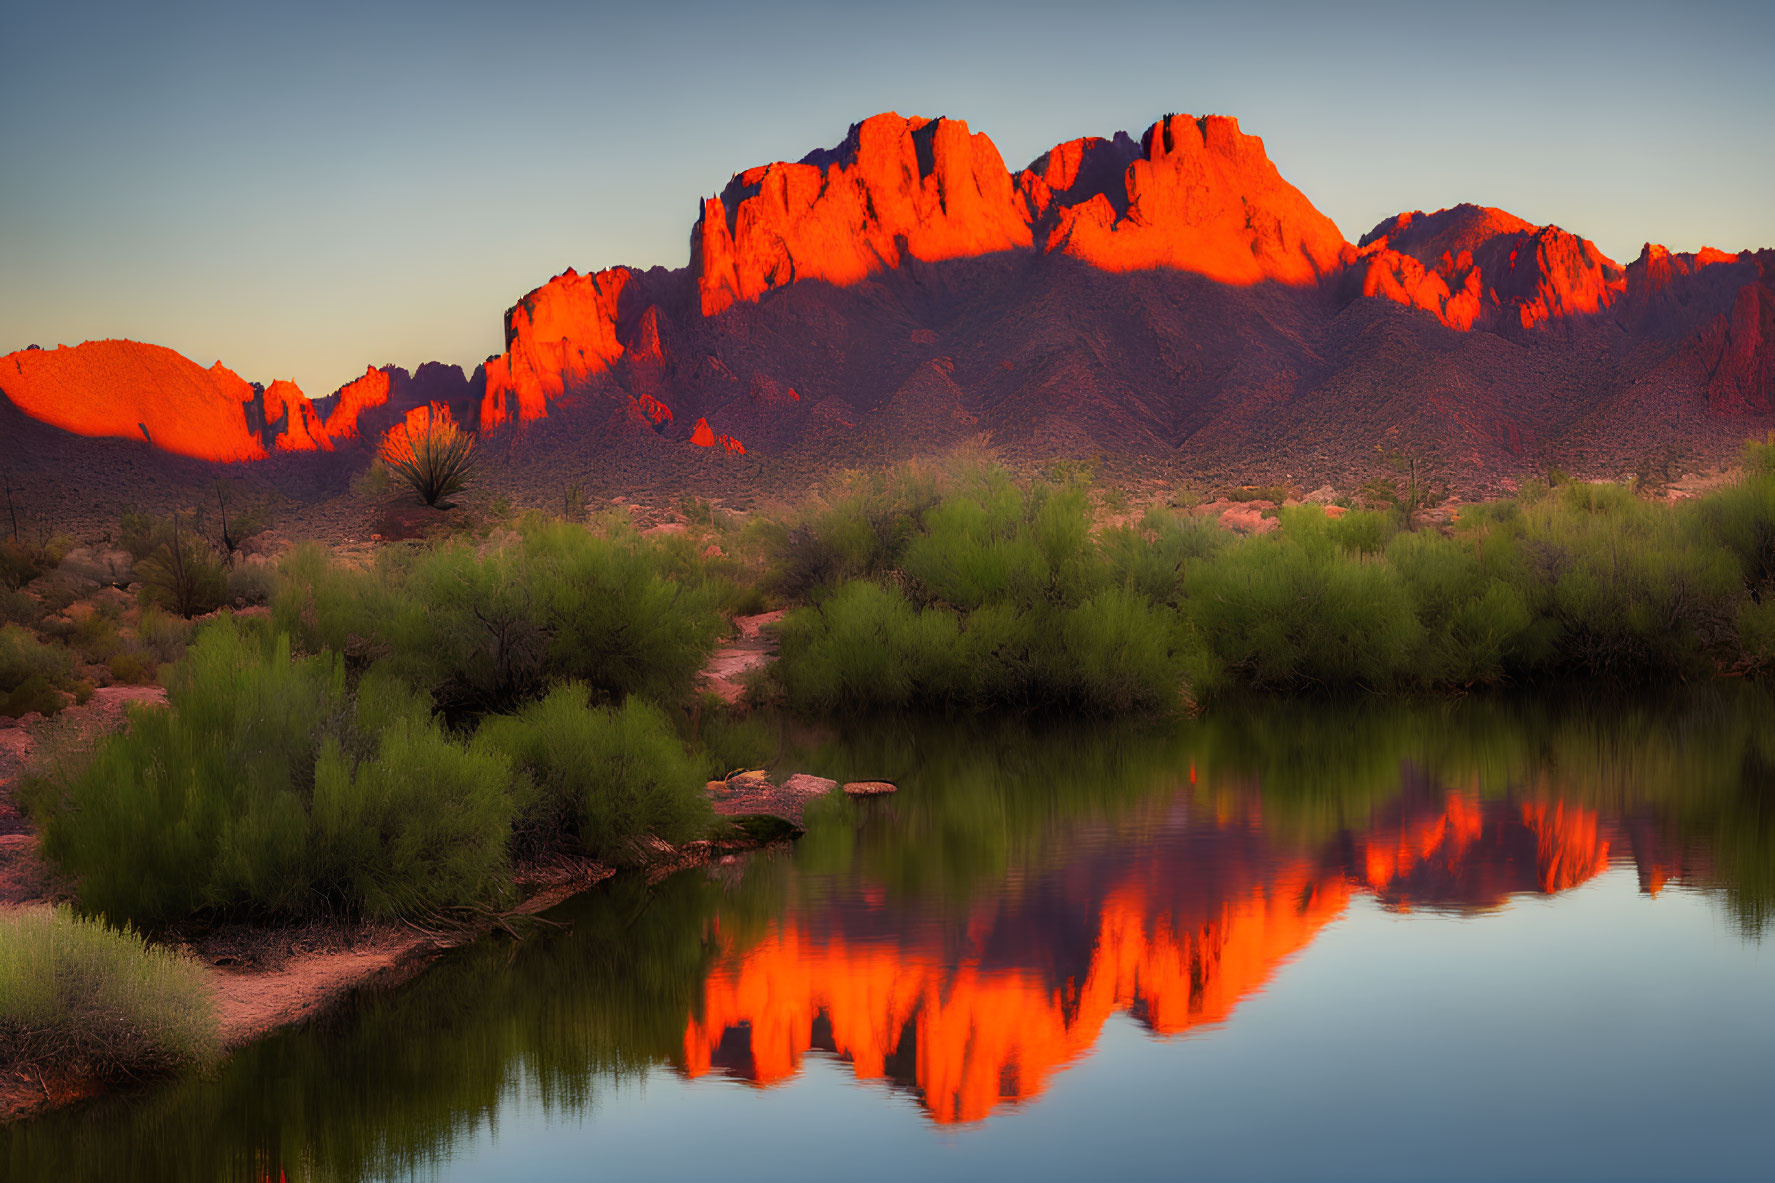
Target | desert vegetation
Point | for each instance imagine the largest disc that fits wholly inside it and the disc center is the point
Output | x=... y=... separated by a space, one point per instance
x=396 y=734
x=971 y=588
x=390 y=739
x=78 y=997
x=436 y=459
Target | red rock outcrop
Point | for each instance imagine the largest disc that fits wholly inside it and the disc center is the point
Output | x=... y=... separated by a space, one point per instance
x=291 y=421
x=1201 y=196
x=702 y=435
x=1472 y=266
x=556 y=338
x=653 y=410
x=896 y=189
x=136 y=391
x=353 y=399
x=1196 y=195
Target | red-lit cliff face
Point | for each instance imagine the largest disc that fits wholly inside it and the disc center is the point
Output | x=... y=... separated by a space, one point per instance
x=291 y=421
x=136 y=391
x=556 y=338
x=1471 y=266
x=352 y=400
x=1195 y=195
x=1170 y=297
x=896 y=189
x=1199 y=196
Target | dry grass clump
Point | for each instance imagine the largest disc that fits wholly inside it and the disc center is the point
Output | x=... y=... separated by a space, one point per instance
x=79 y=997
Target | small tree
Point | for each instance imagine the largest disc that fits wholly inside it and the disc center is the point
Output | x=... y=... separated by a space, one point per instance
x=437 y=458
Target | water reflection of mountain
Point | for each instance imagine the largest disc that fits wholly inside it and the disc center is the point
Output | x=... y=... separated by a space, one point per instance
x=969 y=939
x=1174 y=929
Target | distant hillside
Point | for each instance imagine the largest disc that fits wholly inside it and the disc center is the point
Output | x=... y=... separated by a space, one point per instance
x=1169 y=302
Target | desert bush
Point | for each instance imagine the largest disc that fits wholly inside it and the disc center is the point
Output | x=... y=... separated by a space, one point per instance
x=20 y=607
x=135 y=669
x=374 y=481
x=181 y=572
x=1741 y=518
x=162 y=635
x=1633 y=591
x=1295 y=609
x=486 y=630
x=596 y=777
x=1151 y=556
x=854 y=528
x=869 y=647
x=35 y=695
x=251 y=584
x=79 y=997
x=270 y=785
x=21 y=562
x=32 y=673
x=866 y=646
x=436 y=461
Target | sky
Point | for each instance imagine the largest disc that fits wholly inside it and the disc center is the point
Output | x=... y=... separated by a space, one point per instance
x=304 y=190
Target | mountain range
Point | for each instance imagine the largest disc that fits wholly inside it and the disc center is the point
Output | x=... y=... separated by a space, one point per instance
x=1170 y=299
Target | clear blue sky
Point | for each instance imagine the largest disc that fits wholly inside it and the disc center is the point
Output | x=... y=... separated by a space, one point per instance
x=300 y=190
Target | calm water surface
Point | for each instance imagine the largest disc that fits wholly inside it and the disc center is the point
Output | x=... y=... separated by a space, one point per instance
x=1450 y=942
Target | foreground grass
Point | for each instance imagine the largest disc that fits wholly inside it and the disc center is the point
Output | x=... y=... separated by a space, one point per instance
x=80 y=998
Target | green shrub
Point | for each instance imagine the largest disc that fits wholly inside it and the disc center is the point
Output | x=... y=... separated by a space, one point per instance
x=854 y=528
x=20 y=607
x=1294 y=609
x=163 y=636
x=597 y=776
x=271 y=786
x=1756 y=632
x=24 y=658
x=136 y=669
x=373 y=482
x=1741 y=518
x=251 y=583
x=181 y=571
x=867 y=646
x=21 y=562
x=78 y=997
x=483 y=631
x=34 y=695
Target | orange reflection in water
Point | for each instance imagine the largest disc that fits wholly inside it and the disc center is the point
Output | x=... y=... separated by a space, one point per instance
x=1177 y=938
